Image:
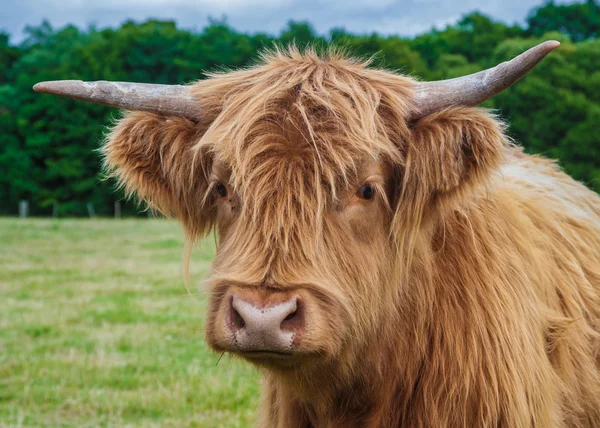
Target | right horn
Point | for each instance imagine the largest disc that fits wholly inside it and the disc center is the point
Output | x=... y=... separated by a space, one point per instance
x=475 y=88
x=174 y=100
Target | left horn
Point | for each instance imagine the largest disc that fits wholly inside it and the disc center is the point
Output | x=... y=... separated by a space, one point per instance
x=174 y=100
x=476 y=88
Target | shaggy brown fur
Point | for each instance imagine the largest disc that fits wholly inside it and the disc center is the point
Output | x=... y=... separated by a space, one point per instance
x=466 y=293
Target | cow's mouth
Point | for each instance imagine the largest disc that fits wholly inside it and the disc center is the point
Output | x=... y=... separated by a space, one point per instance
x=269 y=358
x=267 y=354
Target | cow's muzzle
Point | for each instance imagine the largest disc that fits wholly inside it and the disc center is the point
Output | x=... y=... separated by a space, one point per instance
x=265 y=327
x=274 y=326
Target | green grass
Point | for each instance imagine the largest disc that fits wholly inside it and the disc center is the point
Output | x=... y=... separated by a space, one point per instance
x=97 y=329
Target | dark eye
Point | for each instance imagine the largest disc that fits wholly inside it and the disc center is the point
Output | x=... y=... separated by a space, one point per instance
x=366 y=192
x=221 y=190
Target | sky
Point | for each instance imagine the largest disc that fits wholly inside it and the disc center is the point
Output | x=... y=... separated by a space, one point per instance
x=402 y=17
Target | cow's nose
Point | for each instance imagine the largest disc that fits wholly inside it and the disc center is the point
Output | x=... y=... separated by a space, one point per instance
x=265 y=328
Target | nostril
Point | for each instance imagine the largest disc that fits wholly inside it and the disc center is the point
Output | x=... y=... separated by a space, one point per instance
x=295 y=319
x=237 y=321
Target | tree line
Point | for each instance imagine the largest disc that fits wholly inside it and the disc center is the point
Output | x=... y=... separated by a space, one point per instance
x=48 y=145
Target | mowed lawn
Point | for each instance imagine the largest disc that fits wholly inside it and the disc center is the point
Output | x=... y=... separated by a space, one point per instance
x=97 y=329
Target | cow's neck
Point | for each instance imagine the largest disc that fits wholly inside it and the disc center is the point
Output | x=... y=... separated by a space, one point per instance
x=334 y=404
x=365 y=395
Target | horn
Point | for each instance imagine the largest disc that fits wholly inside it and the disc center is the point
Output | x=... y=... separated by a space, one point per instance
x=476 y=88
x=175 y=100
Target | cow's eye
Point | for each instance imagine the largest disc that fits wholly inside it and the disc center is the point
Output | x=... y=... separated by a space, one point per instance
x=221 y=190
x=366 y=192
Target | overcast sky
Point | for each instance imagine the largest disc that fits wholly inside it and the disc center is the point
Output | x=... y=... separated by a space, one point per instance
x=403 y=17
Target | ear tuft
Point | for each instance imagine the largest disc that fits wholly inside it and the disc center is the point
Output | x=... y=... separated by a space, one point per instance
x=455 y=149
x=153 y=157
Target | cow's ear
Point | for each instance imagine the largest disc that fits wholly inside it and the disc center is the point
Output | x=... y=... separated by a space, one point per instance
x=447 y=156
x=452 y=151
x=156 y=159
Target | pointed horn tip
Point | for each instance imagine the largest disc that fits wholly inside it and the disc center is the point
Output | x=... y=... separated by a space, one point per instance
x=544 y=48
x=54 y=86
x=49 y=87
x=551 y=44
x=40 y=87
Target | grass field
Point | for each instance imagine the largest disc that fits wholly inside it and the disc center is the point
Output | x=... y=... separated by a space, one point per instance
x=96 y=329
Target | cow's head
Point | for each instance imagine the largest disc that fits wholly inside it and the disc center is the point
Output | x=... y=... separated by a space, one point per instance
x=317 y=174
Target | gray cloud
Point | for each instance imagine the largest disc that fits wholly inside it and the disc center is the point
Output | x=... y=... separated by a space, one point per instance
x=403 y=17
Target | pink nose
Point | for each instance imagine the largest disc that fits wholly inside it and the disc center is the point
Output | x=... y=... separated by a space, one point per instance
x=265 y=328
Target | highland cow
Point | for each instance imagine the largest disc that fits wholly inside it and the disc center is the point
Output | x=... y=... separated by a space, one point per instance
x=386 y=256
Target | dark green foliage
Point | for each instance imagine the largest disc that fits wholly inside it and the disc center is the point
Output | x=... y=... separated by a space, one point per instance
x=580 y=21
x=47 y=144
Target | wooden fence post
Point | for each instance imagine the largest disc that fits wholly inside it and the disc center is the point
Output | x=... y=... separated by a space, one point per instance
x=117 y=209
x=90 y=208
x=23 y=208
